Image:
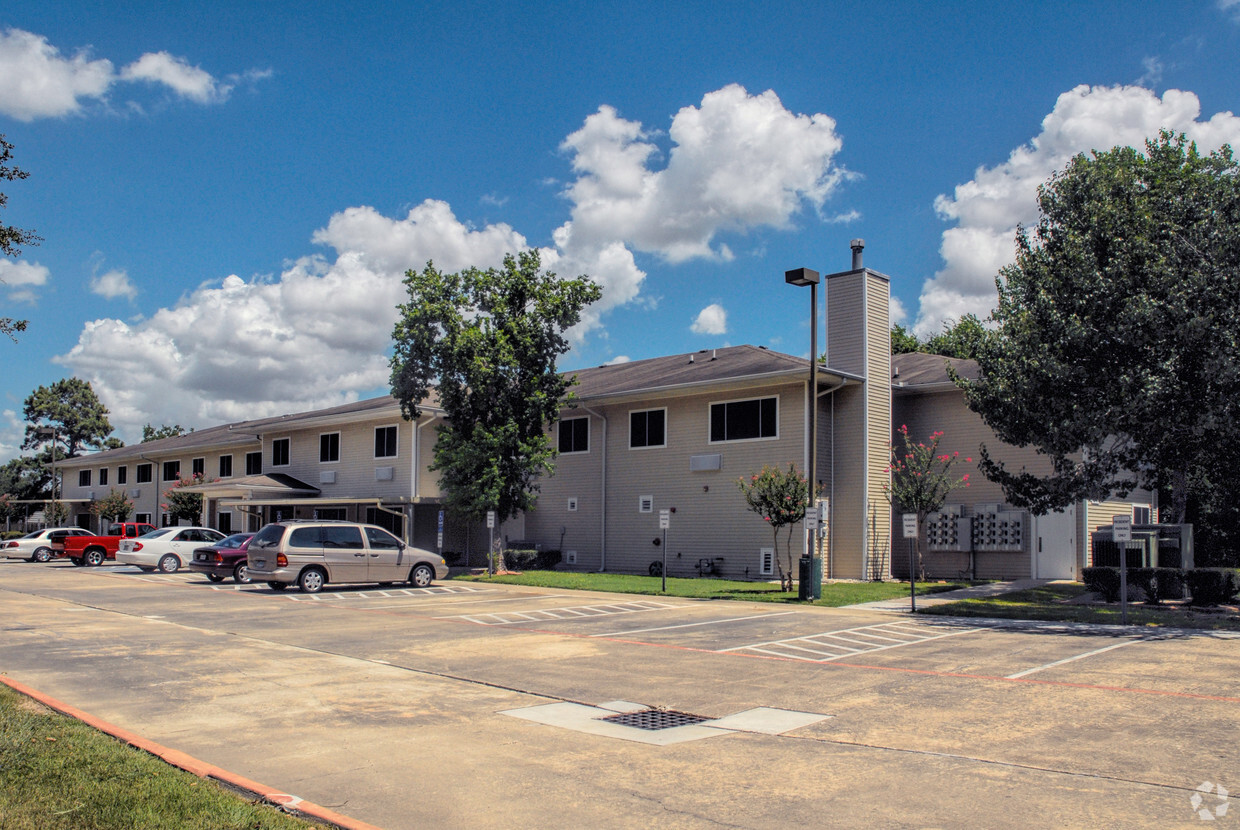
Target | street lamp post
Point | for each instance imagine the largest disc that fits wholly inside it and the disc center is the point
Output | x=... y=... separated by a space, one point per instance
x=808 y=276
x=51 y=432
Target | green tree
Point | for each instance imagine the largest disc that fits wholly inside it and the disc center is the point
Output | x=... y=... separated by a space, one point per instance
x=1117 y=349
x=115 y=506
x=11 y=239
x=182 y=505
x=921 y=481
x=150 y=433
x=781 y=498
x=960 y=339
x=904 y=341
x=71 y=409
x=55 y=514
x=26 y=478
x=488 y=342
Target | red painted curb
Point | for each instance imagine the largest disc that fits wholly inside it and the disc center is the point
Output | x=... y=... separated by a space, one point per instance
x=288 y=803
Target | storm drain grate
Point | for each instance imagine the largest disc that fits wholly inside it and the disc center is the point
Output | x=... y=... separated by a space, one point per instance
x=654 y=719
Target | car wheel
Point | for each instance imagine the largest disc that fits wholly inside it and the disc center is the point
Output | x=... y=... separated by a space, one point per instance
x=311 y=581
x=215 y=577
x=241 y=574
x=421 y=576
x=41 y=555
x=277 y=586
x=93 y=557
x=169 y=563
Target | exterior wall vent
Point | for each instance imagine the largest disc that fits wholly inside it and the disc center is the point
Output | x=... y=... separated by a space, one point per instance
x=570 y=557
x=384 y=473
x=327 y=477
x=572 y=504
x=701 y=463
x=766 y=561
x=645 y=504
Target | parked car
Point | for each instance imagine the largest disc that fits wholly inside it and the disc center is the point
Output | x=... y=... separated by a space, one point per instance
x=39 y=545
x=225 y=558
x=166 y=549
x=95 y=550
x=312 y=554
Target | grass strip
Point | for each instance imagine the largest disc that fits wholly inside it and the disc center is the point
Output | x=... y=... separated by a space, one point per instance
x=56 y=772
x=834 y=594
x=1055 y=603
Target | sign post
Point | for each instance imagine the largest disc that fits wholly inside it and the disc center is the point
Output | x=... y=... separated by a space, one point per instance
x=491 y=544
x=440 y=533
x=910 y=533
x=1121 y=534
x=665 y=521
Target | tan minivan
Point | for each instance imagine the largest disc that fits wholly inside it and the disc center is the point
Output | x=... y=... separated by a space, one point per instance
x=311 y=554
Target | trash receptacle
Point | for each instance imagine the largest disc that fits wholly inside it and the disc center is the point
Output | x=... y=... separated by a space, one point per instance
x=810 y=578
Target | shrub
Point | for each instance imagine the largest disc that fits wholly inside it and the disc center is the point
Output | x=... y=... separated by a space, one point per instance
x=1211 y=586
x=526 y=559
x=1158 y=584
x=1102 y=580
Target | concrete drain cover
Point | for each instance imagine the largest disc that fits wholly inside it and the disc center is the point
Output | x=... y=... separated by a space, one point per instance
x=654 y=719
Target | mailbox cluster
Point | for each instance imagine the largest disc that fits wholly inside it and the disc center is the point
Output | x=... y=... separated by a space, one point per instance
x=997 y=529
x=990 y=528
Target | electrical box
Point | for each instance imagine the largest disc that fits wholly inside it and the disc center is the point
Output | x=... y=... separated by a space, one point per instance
x=997 y=529
x=947 y=530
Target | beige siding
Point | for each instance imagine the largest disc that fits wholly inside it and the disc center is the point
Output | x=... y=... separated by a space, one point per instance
x=846 y=335
x=878 y=414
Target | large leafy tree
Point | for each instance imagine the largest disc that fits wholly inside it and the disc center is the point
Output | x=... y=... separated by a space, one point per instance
x=961 y=339
x=487 y=342
x=1117 y=346
x=151 y=433
x=11 y=239
x=72 y=410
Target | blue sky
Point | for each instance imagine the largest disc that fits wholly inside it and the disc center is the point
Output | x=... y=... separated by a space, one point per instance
x=229 y=193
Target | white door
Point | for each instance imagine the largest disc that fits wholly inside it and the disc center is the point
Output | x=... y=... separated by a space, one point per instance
x=1054 y=547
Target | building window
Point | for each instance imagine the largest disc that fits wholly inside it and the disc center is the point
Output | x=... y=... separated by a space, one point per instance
x=744 y=420
x=225 y=466
x=198 y=467
x=385 y=442
x=122 y=475
x=331 y=514
x=329 y=447
x=575 y=435
x=103 y=477
x=144 y=476
x=386 y=520
x=172 y=470
x=253 y=463
x=223 y=522
x=1140 y=513
x=280 y=452
x=648 y=428
x=83 y=478
x=142 y=518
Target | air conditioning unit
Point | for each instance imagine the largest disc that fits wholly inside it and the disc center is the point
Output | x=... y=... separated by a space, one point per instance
x=135 y=493
x=327 y=477
x=384 y=473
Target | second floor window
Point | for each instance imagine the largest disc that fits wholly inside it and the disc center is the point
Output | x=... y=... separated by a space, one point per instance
x=648 y=429
x=575 y=435
x=744 y=420
x=198 y=467
x=122 y=475
x=329 y=447
x=83 y=478
x=144 y=473
x=385 y=442
x=172 y=470
x=280 y=452
x=253 y=463
x=103 y=477
x=225 y=466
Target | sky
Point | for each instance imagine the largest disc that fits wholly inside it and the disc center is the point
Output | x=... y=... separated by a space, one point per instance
x=229 y=194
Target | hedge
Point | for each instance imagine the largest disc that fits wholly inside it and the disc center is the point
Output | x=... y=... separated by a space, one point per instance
x=1206 y=586
x=525 y=559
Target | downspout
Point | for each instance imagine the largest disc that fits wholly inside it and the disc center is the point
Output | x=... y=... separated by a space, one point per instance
x=603 y=493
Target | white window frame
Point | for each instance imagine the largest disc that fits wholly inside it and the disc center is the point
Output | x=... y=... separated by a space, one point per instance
x=710 y=406
x=396 y=450
x=633 y=412
x=201 y=461
x=163 y=470
x=232 y=468
x=562 y=421
x=335 y=460
x=288 y=443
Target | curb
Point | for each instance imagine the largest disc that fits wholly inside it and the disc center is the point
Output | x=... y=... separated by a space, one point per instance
x=284 y=801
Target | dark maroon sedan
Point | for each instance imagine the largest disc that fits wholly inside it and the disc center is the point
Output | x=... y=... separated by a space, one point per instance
x=225 y=558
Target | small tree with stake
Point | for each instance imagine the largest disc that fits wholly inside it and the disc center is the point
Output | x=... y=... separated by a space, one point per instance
x=780 y=497
x=921 y=480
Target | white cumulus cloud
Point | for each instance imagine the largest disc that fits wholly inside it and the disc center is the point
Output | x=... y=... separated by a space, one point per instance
x=38 y=81
x=988 y=208
x=22 y=278
x=113 y=284
x=711 y=320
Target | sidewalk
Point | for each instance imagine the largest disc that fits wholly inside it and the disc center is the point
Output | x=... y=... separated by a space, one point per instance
x=989 y=589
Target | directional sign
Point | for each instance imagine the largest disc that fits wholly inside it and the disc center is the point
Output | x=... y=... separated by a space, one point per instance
x=665 y=519
x=491 y=518
x=811 y=518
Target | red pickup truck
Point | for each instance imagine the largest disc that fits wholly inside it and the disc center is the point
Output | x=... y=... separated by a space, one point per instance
x=93 y=550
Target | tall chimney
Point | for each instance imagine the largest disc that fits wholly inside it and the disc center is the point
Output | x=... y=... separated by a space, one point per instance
x=857 y=246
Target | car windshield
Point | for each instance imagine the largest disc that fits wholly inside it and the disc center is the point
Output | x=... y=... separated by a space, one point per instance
x=234 y=541
x=163 y=531
x=268 y=537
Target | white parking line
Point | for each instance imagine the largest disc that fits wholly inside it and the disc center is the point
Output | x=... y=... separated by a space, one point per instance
x=555 y=614
x=1111 y=647
x=833 y=645
x=690 y=625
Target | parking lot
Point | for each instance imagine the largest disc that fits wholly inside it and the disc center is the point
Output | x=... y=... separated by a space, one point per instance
x=468 y=704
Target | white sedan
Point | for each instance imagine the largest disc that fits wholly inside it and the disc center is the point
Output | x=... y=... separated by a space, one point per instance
x=37 y=546
x=166 y=549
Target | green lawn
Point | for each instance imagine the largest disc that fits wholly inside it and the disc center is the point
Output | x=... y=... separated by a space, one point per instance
x=833 y=593
x=56 y=772
x=1053 y=602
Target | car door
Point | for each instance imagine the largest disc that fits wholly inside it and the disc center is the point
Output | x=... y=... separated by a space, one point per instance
x=344 y=553
x=386 y=562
